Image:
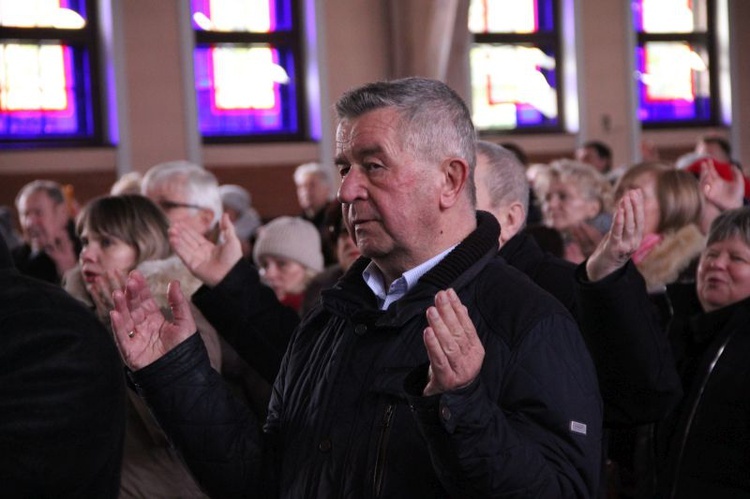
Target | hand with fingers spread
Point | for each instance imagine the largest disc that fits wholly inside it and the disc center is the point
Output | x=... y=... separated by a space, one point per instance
x=454 y=349
x=141 y=331
x=623 y=238
x=722 y=193
x=207 y=261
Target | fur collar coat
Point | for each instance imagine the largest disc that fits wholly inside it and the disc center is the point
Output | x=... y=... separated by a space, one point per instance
x=672 y=258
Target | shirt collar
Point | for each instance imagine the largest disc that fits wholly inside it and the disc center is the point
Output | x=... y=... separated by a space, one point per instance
x=375 y=281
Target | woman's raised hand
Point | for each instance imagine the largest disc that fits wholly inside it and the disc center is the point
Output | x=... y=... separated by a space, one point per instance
x=141 y=331
x=622 y=240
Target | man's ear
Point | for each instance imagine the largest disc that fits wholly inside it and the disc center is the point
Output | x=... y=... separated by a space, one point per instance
x=515 y=218
x=455 y=176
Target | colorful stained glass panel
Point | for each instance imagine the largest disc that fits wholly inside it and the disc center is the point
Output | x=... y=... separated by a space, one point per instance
x=248 y=16
x=41 y=95
x=245 y=90
x=513 y=87
x=45 y=85
x=62 y=14
x=511 y=16
x=669 y=16
x=673 y=82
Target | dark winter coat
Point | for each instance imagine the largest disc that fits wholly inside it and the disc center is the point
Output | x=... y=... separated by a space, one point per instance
x=705 y=441
x=247 y=314
x=62 y=393
x=552 y=274
x=704 y=438
x=347 y=418
x=39 y=265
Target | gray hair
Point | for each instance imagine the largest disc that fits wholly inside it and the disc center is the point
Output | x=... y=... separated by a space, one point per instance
x=588 y=180
x=201 y=186
x=435 y=121
x=323 y=173
x=315 y=168
x=53 y=190
x=731 y=223
x=506 y=177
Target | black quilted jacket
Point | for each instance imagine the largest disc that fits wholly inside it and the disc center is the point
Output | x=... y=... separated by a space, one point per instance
x=346 y=418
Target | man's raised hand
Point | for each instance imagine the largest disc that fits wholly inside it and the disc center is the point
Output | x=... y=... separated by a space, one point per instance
x=454 y=349
x=207 y=261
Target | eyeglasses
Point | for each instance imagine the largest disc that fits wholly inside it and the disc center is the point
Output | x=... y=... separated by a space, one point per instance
x=171 y=205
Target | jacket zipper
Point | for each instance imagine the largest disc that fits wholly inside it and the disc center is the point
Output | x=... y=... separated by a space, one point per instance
x=385 y=431
x=693 y=410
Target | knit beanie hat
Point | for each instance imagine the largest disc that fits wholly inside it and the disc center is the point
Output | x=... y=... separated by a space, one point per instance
x=290 y=237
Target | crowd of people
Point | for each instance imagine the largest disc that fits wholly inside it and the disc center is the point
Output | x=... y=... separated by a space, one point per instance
x=446 y=320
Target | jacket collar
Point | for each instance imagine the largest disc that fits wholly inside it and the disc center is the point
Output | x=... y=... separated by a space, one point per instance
x=351 y=296
x=703 y=327
x=522 y=250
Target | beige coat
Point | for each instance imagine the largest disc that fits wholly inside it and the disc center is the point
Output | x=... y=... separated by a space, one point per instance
x=151 y=466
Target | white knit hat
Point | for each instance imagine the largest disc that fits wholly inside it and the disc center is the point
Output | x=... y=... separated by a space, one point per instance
x=290 y=237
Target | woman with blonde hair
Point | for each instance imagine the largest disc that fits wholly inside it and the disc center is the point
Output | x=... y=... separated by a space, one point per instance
x=576 y=201
x=119 y=234
x=672 y=238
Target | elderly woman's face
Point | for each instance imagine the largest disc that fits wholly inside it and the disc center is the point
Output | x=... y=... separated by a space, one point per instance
x=284 y=276
x=564 y=206
x=724 y=274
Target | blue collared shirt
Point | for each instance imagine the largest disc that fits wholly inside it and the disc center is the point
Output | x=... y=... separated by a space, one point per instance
x=374 y=279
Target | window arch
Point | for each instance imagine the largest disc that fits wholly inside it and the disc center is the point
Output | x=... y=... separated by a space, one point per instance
x=48 y=73
x=515 y=65
x=674 y=55
x=248 y=69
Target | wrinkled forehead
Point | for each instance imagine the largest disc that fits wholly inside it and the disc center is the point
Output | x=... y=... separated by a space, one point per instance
x=369 y=130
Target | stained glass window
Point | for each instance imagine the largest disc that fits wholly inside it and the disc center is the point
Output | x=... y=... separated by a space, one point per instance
x=676 y=83
x=514 y=65
x=247 y=64
x=47 y=71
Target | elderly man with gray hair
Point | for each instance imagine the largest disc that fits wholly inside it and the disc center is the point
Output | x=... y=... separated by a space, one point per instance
x=51 y=247
x=503 y=190
x=431 y=369
x=186 y=192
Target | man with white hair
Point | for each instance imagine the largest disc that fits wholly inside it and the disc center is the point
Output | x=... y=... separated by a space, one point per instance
x=186 y=192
